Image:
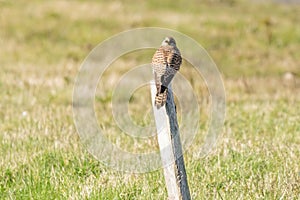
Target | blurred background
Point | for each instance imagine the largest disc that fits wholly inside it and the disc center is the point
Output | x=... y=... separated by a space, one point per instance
x=256 y=46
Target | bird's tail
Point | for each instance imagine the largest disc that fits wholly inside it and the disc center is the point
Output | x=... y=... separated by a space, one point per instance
x=161 y=98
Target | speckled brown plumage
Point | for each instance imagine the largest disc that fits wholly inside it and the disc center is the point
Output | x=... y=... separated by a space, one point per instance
x=165 y=63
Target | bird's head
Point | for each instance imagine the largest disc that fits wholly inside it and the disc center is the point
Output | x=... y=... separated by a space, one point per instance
x=169 y=41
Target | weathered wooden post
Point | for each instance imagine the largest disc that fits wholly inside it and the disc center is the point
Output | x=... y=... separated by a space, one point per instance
x=170 y=147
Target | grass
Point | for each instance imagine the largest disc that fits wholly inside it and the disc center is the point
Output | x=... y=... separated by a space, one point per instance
x=255 y=45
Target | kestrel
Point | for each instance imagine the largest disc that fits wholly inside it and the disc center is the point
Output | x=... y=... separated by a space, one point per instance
x=165 y=63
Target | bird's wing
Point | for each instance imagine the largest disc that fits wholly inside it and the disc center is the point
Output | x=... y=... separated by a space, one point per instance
x=173 y=64
x=174 y=59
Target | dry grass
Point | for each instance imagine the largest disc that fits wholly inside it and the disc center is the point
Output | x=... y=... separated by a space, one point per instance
x=256 y=47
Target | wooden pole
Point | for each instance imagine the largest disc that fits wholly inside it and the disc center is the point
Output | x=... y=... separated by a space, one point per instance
x=170 y=147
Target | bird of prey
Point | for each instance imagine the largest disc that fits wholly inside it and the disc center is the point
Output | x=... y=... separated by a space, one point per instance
x=165 y=63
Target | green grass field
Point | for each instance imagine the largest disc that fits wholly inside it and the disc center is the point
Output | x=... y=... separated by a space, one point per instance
x=255 y=45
